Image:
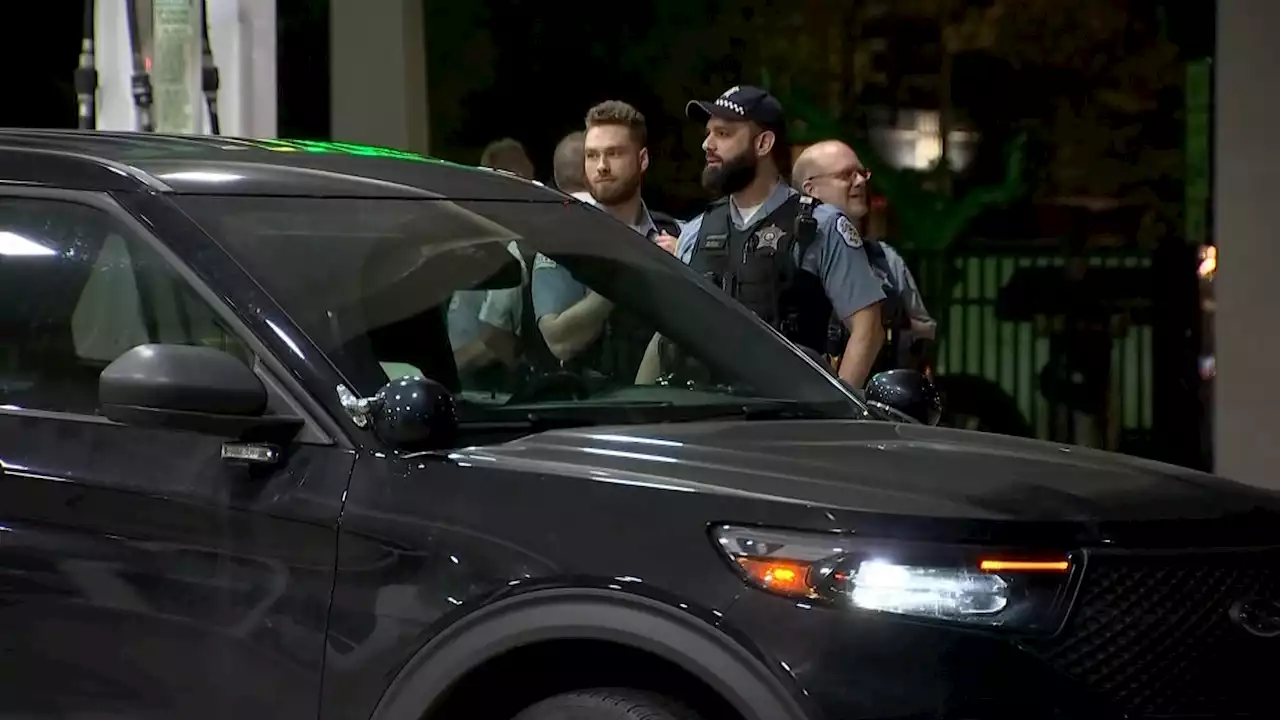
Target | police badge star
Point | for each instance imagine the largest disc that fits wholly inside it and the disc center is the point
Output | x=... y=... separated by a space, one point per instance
x=844 y=226
x=769 y=237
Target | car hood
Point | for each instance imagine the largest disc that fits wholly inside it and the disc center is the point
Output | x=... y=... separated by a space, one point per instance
x=880 y=467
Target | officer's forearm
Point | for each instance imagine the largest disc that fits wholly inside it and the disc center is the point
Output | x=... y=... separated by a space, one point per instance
x=650 y=364
x=567 y=333
x=865 y=338
x=493 y=344
x=473 y=354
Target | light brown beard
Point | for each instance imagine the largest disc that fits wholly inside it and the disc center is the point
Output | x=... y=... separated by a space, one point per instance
x=619 y=192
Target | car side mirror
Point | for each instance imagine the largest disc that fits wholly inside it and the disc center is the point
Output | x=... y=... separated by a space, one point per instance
x=414 y=413
x=905 y=394
x=191 y=388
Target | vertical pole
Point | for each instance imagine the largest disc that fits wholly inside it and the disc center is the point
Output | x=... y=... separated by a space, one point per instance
x=1246 y=174
x=378 y=73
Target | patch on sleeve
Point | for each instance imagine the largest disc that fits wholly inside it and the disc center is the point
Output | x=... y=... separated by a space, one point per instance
x=844 y=226
x=542 y=262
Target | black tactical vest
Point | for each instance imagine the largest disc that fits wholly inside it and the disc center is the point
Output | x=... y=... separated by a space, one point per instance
x=758 y=267
x=665 y=223
x=893 y=310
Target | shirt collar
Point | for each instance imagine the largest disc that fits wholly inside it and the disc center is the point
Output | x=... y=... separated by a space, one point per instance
x=777 y=196
x=646 y=227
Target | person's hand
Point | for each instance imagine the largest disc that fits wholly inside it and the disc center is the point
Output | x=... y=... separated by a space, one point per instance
x=667 y=242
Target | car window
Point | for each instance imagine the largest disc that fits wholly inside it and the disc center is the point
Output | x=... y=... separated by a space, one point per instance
x=470 y=293
x=78 y=289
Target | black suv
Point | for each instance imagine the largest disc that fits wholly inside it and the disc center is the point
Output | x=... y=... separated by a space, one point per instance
x=252 y=468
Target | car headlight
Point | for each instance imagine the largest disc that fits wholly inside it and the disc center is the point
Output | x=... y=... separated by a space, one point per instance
x=977 y=586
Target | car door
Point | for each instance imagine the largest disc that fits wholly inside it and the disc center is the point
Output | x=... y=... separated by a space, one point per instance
x=141 y=575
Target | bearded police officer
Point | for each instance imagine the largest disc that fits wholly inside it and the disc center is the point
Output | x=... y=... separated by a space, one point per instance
x=832 y=172
x=788 y=258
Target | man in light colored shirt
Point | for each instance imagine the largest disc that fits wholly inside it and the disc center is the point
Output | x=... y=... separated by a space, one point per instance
x=484 y=325
x=509 y=155
x=568 y=167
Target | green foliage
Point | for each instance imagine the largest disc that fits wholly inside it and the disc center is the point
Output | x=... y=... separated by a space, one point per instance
x=1092 y=139
x=1114 y=67
x=929 y=220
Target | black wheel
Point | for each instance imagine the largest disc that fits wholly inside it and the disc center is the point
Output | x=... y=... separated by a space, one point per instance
x=607 y=704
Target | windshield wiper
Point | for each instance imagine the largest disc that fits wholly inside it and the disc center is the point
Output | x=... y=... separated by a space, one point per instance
x=531 y=423
x=782 y=413
x=780 y=410
x=531 y=419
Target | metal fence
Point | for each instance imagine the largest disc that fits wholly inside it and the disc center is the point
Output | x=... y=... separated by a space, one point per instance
x=961 y=291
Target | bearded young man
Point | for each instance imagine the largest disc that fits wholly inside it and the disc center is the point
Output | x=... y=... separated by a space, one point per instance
x=616 y=158
x=570 y=315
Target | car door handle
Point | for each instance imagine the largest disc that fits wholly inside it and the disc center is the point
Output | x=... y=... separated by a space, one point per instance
x=251 y=453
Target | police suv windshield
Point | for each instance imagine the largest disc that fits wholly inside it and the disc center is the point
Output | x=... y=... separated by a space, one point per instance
x=463 y=292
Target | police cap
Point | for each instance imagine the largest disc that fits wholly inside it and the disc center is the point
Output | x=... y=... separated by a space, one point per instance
x=740 y=103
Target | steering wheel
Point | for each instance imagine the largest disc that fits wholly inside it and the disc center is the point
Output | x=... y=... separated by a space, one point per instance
x=681 y=370
x=695 y=384
x=552 y=386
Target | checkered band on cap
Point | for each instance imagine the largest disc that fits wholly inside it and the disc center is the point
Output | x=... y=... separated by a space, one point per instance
x=740 y=102
x=725 y=102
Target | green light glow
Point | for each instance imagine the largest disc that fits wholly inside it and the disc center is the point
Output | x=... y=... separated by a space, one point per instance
x=340 y=148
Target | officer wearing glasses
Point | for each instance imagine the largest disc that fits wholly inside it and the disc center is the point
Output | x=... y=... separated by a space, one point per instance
x=832 y=172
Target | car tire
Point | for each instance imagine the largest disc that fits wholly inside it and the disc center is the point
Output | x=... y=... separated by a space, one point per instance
x=607 y=704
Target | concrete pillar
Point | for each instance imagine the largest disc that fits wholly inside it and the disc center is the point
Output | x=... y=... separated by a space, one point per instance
x=113 y=58
x=378 y=73
x=1247 y=288
x=243 y=36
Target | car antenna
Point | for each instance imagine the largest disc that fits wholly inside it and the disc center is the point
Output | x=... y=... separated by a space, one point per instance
x=86 y=76
x=142 y=96
x=209 y=81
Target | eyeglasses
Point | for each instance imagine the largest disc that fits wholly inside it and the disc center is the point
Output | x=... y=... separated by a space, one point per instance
x=850 y=175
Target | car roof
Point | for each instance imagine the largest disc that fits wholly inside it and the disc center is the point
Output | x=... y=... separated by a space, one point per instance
x=218 y=165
